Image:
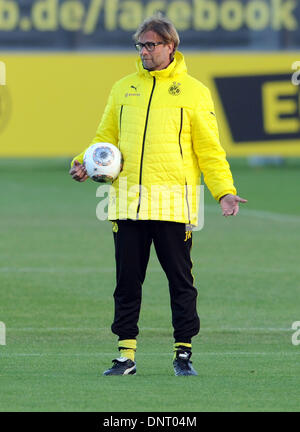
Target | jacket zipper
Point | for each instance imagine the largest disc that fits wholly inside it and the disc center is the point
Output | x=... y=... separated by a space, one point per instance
x=179 y=140
x=120 y=126
x=143 y=146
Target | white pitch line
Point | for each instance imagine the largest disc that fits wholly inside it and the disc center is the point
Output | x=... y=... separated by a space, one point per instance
x=55 y=270
x=83 y=270
x=260 y=214
x=201 y=354
x=69 y=270
x=208 y=329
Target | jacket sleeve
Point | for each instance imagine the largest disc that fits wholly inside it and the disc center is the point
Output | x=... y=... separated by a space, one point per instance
x=210 y=154
x=107 y=130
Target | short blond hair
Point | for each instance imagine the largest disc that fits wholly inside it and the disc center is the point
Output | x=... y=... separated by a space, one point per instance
x=160 y=25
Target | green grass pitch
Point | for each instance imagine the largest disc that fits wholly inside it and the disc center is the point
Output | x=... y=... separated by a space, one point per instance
x=57 y=280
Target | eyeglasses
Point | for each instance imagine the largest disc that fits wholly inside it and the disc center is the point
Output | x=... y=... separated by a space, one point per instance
x=150 y=46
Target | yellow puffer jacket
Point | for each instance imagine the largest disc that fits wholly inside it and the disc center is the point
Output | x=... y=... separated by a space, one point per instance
x=164 y=124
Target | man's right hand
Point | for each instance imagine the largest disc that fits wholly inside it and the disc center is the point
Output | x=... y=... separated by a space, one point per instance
x=78 y=172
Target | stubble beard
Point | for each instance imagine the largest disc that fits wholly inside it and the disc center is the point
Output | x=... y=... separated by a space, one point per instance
x=148 y=64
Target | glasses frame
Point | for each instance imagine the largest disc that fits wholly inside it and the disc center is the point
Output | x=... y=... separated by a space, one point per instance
x=139 y=46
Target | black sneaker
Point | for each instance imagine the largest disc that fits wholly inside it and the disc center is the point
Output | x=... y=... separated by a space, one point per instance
x=121 y=366
x=182 y=364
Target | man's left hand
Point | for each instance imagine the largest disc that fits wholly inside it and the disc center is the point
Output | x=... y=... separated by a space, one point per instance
x=230 y=204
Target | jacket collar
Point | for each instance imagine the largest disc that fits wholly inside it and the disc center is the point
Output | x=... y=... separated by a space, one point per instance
x=177 y=67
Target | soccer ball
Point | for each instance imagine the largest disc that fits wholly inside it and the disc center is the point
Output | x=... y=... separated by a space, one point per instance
x=103 y=162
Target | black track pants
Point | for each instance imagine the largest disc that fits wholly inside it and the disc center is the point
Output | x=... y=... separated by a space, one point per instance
x=132 y=250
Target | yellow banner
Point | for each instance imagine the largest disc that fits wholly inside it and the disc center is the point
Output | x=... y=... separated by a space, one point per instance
x=52 y=103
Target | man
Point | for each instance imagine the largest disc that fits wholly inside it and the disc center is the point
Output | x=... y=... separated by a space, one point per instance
x=163 y=122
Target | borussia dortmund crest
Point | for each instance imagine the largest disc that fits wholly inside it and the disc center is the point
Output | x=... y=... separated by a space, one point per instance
x=174 y=90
